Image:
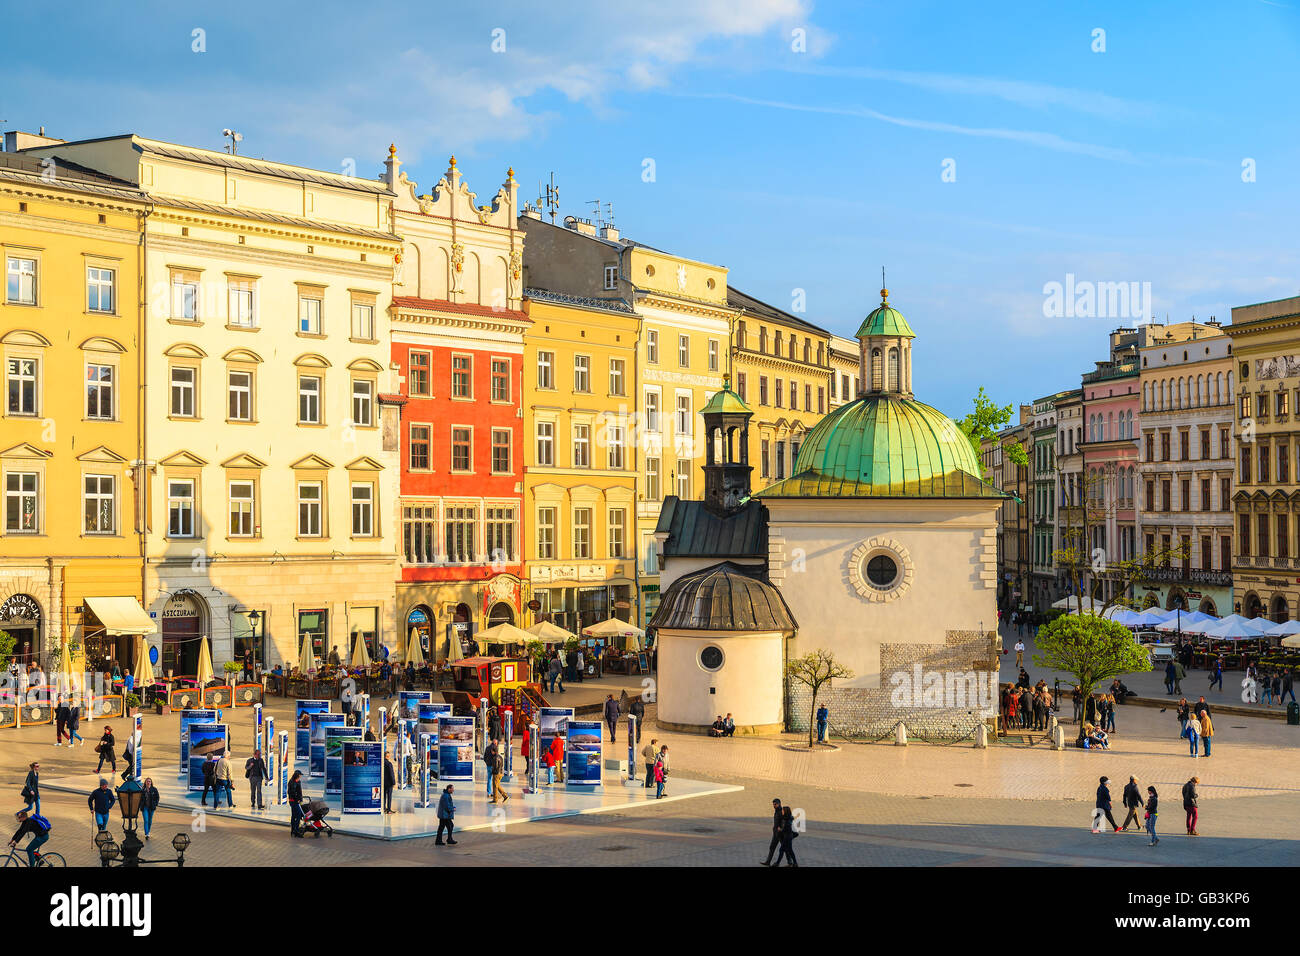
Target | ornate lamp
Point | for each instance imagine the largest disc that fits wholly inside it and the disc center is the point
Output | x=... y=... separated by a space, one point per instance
x=130 y=797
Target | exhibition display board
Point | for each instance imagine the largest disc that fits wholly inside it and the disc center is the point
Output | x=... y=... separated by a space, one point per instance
x=583 y=758
x=316 y=731
x=363 y=776
x=205 y=738
x=408 y=703
x=188 y=717
x=302 y=711
x=456 y=748
x=334 y=737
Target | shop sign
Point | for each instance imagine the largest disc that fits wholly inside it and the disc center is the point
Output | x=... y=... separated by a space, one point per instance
x=20 y=610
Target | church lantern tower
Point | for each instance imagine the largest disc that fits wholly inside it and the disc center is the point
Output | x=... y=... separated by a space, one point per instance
x=726 y=469
x=885 y=352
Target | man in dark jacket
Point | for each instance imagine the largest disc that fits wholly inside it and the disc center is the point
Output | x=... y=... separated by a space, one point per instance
x=1103 y=804
x=390 y=781
x=446 y=815
x=489 y=760
x=295 y=804
x=1190 y=801
x=776 y=832
x=611 y=717
x=100 y=801
x=637 y=710
x=210 y=781
x=1169 y=677
x=39 y=829
x=255 y=771
x=1133 y=802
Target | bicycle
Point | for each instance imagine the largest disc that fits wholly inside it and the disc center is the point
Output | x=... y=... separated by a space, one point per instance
x=17 y=857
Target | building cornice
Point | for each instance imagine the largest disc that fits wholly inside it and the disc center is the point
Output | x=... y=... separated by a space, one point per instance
x=374 y=272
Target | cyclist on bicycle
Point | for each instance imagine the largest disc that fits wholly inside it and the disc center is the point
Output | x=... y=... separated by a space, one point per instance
x=37 y=826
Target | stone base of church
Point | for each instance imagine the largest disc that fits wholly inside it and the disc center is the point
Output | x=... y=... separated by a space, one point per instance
x=703 y=729
x=869 y=713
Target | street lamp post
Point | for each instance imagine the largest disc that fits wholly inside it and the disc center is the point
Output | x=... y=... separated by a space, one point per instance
x=130 y=797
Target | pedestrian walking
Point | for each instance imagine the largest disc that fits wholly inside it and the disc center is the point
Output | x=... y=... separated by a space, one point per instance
x=498 y=768
x=209 y=771
x=1193 y=734
x=648 y=754
x=295 y=804
x=1103 y=804
x=776 y=831
x=823 y=718
x=446 y=816
x=1077 y=697
x=74 y=723
x=1180 y=671
x=787 y=838
x=106 y=748
x=1288 y=687
x=100 y=801
x=637 y=709
x=225 y=782
x=60 y=722
x=1191 y=800
x=611 y=717
x=255 y=772
x=1265 y=689
x=1110 y=714
x=31 y=793
x=1153 y=802
x=1216 y=673
x=555 y=673
x=1169 y=677
x=489 y=760
x=1020 y=653
x=1184 y=711
x=390 y=781
x=148 y=804
x=1133 y=803
x=659 y=779
x=1207 y=732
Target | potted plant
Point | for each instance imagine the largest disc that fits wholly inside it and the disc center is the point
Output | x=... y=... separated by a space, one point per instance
x=132 y=703
x=231 y=668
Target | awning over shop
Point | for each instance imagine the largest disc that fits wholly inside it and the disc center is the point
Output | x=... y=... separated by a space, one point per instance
x=122 y=615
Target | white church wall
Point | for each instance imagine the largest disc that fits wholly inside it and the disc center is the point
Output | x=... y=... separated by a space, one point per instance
x=748 y=684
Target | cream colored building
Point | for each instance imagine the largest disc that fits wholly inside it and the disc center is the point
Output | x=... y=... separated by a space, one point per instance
x=272 y=485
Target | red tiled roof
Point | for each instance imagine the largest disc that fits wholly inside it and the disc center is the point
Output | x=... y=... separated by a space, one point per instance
x=465 y=308
x=393 y=398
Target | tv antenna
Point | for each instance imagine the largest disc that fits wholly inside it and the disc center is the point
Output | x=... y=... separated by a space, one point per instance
x=550 y=198
x=604 y=213
x=235 y=139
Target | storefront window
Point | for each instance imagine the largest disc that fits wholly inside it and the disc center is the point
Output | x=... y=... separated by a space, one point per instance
x=365 y=623
x=312 y=625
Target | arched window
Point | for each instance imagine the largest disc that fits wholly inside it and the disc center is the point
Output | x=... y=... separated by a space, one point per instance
x=875 y=370
x=893 y=370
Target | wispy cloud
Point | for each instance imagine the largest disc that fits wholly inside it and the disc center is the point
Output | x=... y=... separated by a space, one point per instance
x=1036 y=138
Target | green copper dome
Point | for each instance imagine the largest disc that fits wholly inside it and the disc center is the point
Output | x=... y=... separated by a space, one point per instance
x=885 y=320
x=881 y=446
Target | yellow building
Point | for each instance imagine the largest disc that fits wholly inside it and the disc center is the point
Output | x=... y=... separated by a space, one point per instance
x=579 y=479
x=271 y=449
x=781 y=366
x=70 y=320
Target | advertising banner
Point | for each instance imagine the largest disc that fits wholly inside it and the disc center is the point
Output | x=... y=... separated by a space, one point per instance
x=408 y=703
x=456 y=748
x=363 y=776
x=137 y=746
x=553 y=722
x=191 y=717
x=205 y=738
x=302 y=711
x=316 y=733
x=334 y=737
x=282 y=769
x=583 y=753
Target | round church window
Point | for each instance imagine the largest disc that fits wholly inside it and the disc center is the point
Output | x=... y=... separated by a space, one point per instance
x=882 y=571
x=711 y=658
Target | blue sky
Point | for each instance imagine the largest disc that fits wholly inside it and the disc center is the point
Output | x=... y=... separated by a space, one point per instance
x=795 y=169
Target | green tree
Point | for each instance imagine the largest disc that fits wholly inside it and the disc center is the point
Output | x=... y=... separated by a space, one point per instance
x=1091 y=649
x=982 y=424
x=814 y=670
x=7 y=642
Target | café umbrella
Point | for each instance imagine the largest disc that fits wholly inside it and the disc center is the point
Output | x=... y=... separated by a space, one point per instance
x=613 y=627
x=306 y=663
x=204 y=672
x=143 y=666
x=1230 y=630
x=1285 y=629
x=360 y=655
x=414 y=653
x=550 y=632
x=507 y=634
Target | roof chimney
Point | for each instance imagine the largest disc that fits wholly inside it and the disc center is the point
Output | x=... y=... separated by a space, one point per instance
x=609 y=232
x=16 y=140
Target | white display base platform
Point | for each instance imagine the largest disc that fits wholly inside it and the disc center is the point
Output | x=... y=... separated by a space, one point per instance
x=473 y=809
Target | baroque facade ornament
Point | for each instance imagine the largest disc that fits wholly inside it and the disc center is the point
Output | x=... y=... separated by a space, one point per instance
x=869 y=549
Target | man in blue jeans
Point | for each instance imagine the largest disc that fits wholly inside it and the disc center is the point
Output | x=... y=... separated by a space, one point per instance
x=100 y=801
x=823 y=715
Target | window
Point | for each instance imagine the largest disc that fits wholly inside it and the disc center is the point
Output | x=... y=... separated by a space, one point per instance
x=1164 y=446
x=1150 y=447
x=99 y=289
x=1263 y=463
x=239 y=390
x=652 y=346
x=99 y=391
x=1280 y=408
x=882 y=572
x=740 y=386
x=1205 y=443
x=740 y=334
x=780 y=393
x=545 y=370
x=420 y=534
x=460 y=445
x=1224 y=439
x=20 y=374
x=363 y=321
x=20 y=502
x=180 y=508
x=310 y=494
x=1207 y=553
x=765 y=448
x=500 y=380
x=1225 y=553
x=1261 y=542
x=1246 y=406
x=684 y=478
x=546 y=443
x=616 y=377
x=420 y=443
x=611 y=277
x=893 y=370
x=713 y=355
x=363 y=509
x=500 y=526
x=546 y=533
x=460 y=526
x=614 y=444
x=308 y=400
x=762 y=390
x=363 y=402
x=240 y=299
x=844 y=388
x=419 y=376
x=1244 y=474
x=652 y=490
x=460 y=376
x=1205 y=494
x=100 y=502
x=501 y=451
x=582 y=373
x=652 y=411
x=309 y=315
x=1283 y=462
x=821 y=399
x=617 y=528
x=780 y=460
x=683 y=414
x=582 y=533
x=20 y=281
x=581 y=446
x=1243 y=533
x=1283 y=536
x=1185 y=492
x=1184 y=453
x=185 y=296
x=683 y=350
x=182 y=391
x=241 y=509
x=1225 y=495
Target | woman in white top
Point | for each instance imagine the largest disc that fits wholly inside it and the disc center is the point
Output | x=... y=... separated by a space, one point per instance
x=1193 y=732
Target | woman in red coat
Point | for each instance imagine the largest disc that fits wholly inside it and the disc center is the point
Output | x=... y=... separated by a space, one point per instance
x=526 y=741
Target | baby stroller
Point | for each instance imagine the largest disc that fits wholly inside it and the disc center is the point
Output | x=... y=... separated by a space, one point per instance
x=313 y=818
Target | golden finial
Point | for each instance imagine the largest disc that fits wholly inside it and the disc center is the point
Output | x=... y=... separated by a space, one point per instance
x=510 y=174
x=726 y=382
x=453 y=162
x=392 y=150
x=884 y=293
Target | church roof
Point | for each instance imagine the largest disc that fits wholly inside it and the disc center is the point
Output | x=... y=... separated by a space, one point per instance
x=696 y=532
x=724 y=597
x=885 y=320
x=885 y=446
x=726 y=401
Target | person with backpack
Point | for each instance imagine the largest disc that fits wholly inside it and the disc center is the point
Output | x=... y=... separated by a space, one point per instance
x=1190 y=803
x=255 y=771
x=497 y=769
x=446 y=816
x=100 y=801
x=32 y=788
x=106 y=748
x=37 y=827
x=149 y=804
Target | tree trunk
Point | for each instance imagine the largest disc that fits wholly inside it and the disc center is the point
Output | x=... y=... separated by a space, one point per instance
x=812 y=719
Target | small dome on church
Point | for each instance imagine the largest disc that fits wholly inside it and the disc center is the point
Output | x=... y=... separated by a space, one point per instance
x=726 y=401
x=885 y=320
x=723 y=597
